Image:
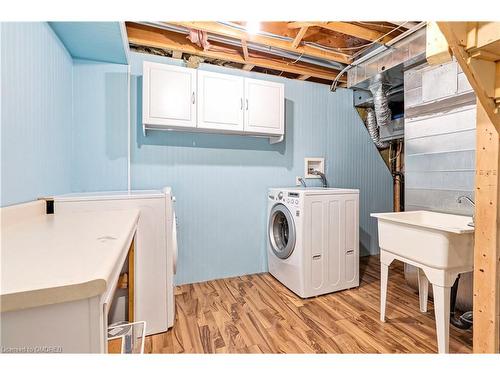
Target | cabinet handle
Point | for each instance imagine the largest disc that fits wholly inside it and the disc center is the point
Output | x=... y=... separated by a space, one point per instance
x=247 y=104
x=241 y=103
x=192 y=97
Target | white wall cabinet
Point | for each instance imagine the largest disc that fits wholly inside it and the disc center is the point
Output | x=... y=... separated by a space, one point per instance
x=220 y=104
x=180 y=98
x=264 y=107
x=169 y=96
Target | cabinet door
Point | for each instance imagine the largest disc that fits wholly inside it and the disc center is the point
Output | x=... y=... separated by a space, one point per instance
x=220 y=101
x=264 y=107
x=169 y=95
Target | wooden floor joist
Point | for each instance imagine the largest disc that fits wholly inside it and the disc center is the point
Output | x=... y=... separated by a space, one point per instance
x=299 y=36
x=244 y=47
x=347 y=29
x=159 y=38
x=219 y=29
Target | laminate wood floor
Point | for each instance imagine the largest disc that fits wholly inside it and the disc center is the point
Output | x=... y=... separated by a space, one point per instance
x=257 y=314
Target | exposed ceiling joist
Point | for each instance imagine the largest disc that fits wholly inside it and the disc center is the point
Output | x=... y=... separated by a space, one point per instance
x=217 y=28
x=405 y=24
x=299 y=36
x=347 y=29
x=248 y=67
x=303 y=77
x=158 y=38
x=245 y=49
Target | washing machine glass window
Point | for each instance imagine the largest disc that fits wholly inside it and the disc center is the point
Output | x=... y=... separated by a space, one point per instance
x=281 y=231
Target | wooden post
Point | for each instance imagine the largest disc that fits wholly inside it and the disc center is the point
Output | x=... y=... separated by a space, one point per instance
x=437 y=50
x=487 y=237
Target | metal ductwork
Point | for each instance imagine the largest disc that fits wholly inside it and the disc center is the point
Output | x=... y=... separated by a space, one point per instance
x=380 y=101
x=373 y=129
x=377 y=82
x=380 y=115
x=389 y=61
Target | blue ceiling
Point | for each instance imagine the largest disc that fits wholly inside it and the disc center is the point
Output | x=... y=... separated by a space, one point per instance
x=99 y=41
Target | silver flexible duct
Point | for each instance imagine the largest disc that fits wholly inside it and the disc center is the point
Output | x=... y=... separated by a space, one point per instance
x=371 y=125
x=380 y=102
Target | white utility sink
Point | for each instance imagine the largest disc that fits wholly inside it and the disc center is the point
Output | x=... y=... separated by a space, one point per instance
x=437 y=240
x=440 y=245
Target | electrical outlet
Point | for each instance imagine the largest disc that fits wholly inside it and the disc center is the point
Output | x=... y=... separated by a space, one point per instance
x=297 y=182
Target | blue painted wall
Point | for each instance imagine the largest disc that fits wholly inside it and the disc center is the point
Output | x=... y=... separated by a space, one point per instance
x=36 y=116
x=221 y=180
x=100 y=126
x=353 y=161
x=64 y=128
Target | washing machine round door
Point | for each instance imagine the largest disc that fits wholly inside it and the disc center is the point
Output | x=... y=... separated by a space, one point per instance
x=281 y=231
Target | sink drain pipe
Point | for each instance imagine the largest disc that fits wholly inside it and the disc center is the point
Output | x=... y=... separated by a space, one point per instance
x=464 y=321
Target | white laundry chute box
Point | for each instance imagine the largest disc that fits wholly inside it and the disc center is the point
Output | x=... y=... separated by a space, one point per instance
x=313 y=239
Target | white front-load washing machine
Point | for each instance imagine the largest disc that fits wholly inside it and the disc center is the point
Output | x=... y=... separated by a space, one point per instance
x=313 y=239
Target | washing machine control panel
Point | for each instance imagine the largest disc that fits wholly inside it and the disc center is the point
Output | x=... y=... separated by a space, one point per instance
x=289 y=198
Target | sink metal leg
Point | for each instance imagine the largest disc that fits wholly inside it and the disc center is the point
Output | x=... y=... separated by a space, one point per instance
x=423 y=290
x=442 y=312
x=384 y=276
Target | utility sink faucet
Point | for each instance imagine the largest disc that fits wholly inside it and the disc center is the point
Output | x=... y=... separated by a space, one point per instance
x=461 y=199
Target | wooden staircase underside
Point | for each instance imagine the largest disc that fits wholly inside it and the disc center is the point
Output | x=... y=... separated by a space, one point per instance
x=476 y=46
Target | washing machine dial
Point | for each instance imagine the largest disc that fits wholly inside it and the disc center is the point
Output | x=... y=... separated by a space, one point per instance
x=280 y=195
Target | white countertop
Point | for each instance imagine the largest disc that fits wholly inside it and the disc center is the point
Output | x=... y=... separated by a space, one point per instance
x=109 y=195
x=49 y=259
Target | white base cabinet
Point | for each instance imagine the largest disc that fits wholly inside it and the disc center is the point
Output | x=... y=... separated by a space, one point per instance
x=71 y=327
x=178 y=98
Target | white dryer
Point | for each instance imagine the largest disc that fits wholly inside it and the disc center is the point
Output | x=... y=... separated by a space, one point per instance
x=313 y=239
x=156 y=249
